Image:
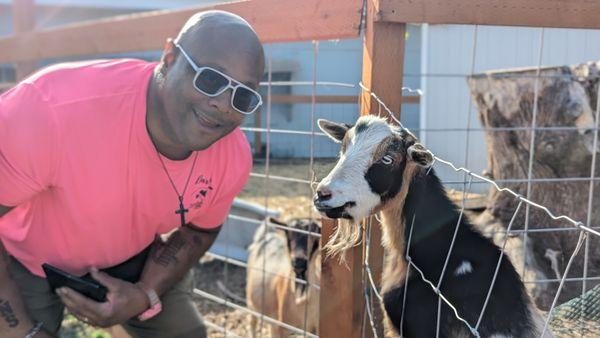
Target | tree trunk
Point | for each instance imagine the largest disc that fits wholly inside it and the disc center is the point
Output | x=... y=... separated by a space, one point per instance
x=567 y=97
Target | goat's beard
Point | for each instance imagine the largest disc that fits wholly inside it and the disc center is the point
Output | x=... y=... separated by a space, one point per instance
x=347 y=235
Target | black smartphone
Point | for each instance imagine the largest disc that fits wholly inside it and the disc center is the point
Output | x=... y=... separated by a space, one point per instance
x=86 y=286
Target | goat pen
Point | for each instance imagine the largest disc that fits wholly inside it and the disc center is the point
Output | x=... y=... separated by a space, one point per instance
x=349 y=304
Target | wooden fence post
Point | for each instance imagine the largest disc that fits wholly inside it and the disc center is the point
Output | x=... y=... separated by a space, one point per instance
x=342 y=288
x=383 y=63
x=341 y=299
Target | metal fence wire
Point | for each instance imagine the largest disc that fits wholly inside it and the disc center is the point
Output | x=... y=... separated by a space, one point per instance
x=586 y=309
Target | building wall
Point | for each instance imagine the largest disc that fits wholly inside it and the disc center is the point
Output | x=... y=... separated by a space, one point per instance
x=337 y=61
x=448 y=51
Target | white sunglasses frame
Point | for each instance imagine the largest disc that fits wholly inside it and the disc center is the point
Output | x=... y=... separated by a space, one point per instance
x=231 y=80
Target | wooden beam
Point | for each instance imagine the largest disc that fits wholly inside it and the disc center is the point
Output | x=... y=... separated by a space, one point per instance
x=340 y=300
x=295 y=99
x=383 y=64
x=304 y=20
x=284 y=98
x=281 y=98
x=23 y=13
x=533 y=13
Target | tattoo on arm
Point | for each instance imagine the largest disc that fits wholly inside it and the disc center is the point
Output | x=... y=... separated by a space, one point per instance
x=166 y=255
x=7 y=313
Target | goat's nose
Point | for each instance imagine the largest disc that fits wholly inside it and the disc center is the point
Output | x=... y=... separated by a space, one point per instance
x=323 y=193
x=299 y=265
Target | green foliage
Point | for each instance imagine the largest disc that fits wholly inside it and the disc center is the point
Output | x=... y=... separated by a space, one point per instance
x=73 y=328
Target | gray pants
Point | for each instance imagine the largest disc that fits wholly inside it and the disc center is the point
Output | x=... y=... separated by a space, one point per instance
x=179 y=317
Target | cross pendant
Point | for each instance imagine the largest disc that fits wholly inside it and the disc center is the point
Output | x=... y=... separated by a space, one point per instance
x=182 y=210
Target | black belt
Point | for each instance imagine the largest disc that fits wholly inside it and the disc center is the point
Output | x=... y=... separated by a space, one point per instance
x=130 y=270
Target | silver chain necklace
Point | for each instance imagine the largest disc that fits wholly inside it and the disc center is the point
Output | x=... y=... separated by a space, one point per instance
x=182 y=210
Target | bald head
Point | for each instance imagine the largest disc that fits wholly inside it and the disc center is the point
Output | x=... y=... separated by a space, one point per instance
x=187 y=119
x=205 y=19
x=223 y=31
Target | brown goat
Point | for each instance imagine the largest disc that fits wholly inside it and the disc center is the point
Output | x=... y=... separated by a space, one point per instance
x=286 y=257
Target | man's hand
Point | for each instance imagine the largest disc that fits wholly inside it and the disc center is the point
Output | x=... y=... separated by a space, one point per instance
x=124 y=300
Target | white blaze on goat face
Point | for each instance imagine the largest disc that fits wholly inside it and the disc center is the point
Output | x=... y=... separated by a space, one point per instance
x=365 y=170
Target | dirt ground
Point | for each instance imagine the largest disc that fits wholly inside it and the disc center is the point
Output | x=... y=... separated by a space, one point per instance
x=290 y=198
x=208 y=275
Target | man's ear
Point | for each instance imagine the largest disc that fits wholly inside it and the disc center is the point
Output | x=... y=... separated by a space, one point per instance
x=421 y=156
x=336 y=131
x=168 y=55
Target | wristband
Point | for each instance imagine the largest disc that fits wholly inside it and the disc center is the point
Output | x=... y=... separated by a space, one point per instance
x=155 y=305
x=37 y=327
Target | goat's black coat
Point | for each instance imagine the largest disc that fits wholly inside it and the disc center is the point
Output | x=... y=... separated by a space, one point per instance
x=435 y=220
x=384 y=181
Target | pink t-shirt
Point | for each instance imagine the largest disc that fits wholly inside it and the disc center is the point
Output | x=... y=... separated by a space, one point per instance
x=78 y=164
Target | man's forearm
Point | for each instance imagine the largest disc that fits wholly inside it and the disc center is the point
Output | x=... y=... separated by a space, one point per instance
x=14 y=321
x=169 y=261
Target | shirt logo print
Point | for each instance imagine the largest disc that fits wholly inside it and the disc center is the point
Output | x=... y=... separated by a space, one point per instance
x=202 y=188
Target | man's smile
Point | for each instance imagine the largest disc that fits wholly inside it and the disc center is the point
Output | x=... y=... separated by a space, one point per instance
x=206 y=121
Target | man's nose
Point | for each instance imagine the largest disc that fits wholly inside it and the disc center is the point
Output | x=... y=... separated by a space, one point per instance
x=221 y=102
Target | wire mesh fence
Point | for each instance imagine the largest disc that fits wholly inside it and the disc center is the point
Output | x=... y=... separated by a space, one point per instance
x=543 y=217
x=273 y=183
x=282 y=185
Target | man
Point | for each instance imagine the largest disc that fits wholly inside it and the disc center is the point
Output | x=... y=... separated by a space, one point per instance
x=97 y=158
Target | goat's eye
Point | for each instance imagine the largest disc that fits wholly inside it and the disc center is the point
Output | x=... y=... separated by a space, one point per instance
x=387 y=160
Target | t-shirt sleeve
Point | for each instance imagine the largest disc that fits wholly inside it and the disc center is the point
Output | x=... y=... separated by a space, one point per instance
x=28 y=146
x=218 y=210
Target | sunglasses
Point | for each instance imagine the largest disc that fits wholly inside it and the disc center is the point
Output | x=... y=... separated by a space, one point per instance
x=212 y=82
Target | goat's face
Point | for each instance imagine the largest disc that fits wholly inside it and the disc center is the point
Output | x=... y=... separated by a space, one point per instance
x=373 y=157
x=302 y=246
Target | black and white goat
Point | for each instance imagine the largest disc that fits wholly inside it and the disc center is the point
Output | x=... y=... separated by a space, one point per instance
x=383 y=168
x=285 y=256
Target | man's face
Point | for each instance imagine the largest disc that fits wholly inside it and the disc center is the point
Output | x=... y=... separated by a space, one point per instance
x=194 y=120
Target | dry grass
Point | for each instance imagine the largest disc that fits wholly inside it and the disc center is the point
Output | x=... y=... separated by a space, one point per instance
x=290 y=198
x=234 y=279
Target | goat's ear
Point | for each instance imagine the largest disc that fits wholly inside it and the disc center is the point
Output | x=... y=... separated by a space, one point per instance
x=421 y=156
x=336 y=131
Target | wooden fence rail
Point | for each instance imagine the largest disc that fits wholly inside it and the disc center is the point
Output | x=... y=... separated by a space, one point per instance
x=304 y=20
